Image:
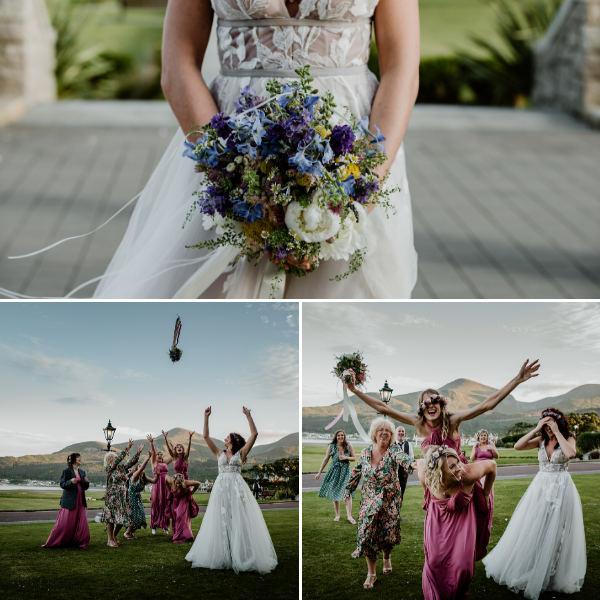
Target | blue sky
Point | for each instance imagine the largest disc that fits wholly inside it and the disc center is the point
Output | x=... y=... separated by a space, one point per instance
x=67 y=367
x=428 y=344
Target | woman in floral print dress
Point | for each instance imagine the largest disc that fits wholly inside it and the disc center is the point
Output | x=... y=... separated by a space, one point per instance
x=379 y=514
x=117 y=511
x=139 y=480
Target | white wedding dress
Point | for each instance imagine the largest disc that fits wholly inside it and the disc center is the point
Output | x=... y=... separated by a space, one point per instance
x=258 y=40
x=543 y=547
x=233 y=534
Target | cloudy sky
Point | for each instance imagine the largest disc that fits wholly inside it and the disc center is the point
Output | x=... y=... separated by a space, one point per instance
x=67 y=367
x=425 y=344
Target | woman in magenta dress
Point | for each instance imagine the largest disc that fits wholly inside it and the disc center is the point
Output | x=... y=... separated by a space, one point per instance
x=71 y=527
x=484 y=449
x=179 y=455
x=158 y=497
x=183 y=508
x=456 y=532
x=434 y=422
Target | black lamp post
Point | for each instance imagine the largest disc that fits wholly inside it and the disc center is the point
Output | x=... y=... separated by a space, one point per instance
x=109 y=434
x=385 y=393
x=287 y=479
x=576 y=428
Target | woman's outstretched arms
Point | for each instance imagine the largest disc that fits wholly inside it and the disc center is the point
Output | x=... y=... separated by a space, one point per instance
x=206 y=434
x=186 y=33
x=527 y=371
x=253 y=435
x=187 y=454
x=383 y=408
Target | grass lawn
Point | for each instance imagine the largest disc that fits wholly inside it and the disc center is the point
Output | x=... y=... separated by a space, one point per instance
x=15 y=500
x=327 y=566
x=149 y=567
x=312 y=456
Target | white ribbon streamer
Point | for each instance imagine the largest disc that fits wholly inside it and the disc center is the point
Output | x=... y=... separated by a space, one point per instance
x=349 y=408
x=272 y=285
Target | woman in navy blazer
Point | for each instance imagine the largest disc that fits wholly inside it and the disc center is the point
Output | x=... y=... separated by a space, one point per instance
x=71 y=527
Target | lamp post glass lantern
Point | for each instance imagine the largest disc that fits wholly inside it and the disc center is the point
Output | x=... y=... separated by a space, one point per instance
x=109 y=434
x=385 y=392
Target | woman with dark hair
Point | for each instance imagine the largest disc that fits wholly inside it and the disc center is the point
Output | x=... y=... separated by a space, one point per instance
x=233 y=534
x=117 y=512
x=179 y=455
x=341 y=453
x=158 y=497
x=456 y=534
x=138 y=481
x=71 y=527
x=182 y=507
x=543 y=547
x=433 y=420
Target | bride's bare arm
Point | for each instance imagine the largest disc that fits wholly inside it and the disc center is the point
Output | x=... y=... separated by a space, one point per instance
x=185 y=38
x=398 y=45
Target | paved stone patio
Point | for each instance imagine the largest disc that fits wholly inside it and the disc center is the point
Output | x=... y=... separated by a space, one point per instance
x=506 y=203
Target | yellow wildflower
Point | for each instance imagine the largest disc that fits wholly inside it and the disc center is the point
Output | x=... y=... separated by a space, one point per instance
x=255 y=230
x=303 y=179
x=266 y=166
x=322 y=131
x=351 y=169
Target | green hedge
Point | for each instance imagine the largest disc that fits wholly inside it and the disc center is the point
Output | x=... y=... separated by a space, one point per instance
x=587 y=442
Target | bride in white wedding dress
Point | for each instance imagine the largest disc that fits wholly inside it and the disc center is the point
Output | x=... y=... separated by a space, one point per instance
x=543 y=547
x=233 y=534
x=258 y=40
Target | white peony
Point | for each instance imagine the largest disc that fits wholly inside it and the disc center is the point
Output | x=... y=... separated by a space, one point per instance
x=350 y=238
x=314 y=223
x=222 y=224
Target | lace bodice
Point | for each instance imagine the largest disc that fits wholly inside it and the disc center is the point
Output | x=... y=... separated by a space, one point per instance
x=558 y=461
x=346 y=43
x=233 y=466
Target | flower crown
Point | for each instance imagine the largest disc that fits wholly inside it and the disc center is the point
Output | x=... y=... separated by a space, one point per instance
x=437 y=454
x=433 y=400
x=549 y=413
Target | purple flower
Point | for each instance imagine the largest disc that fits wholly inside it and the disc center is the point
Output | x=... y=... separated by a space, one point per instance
x=365 y=189
x=296 y=123
x=341 y=139
x=213 y=200
x=219 y=122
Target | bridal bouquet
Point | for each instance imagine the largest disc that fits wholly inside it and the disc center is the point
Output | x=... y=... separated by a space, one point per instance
x=350 y=362
x=174 y=352
x=286 y=183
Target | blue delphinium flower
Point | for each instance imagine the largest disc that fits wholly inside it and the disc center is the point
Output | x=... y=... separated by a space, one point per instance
x=341 y=139
x=190 y=148
x=213 y=200
x=284 y=100
x=348 y=185
x=250 y=212
x=309 y=104
x=323 y=146
x=305 y=163
x=219 y=122
x=363 y=125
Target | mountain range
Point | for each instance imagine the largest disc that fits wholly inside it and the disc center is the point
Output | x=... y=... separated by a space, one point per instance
x=202 y=461
x=463 y=394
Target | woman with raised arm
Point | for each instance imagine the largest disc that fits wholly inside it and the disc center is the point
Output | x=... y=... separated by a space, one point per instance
x=117 y=511
x=233 y=534
x=543 y=547
x=158 y=497
x=137 y=483
x=182 y=507
x=179 y=455
x=341 y=453
x=71 y=527
x=434 y=422
x=379 y=513
x=456 y=531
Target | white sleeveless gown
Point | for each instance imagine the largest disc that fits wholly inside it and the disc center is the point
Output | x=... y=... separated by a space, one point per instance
x=543 y=547
x=233 y=534
x=152 y=260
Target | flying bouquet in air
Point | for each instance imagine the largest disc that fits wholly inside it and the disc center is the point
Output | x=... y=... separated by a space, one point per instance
x=351 y=362
x=175 y=353
x=283 y=181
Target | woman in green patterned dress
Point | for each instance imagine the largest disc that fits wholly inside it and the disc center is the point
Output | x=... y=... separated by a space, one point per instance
x=139 y=480
x=379 y=514
x=336 y=478
x=117 y=511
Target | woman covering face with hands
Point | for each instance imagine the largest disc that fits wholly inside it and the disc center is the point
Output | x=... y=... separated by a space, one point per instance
x=543 y=547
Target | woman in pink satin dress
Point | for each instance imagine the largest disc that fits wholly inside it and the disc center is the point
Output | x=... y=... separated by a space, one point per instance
x=433 y=420
x=182 y=507
x=179 y=455
x=457 y=521
x=158 y=498
x=71 y=527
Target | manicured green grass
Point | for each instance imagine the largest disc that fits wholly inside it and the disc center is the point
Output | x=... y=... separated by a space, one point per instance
x=312 y=456
x=15 y=500
x=149 y=567
x=327 y=566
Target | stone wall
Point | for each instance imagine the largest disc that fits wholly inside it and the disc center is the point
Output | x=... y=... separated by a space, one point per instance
x=567 y=61
x=26 y=57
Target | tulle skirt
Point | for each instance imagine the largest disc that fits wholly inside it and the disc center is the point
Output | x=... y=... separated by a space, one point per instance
x=543 y=547
x=153 y=261
x=233 y=534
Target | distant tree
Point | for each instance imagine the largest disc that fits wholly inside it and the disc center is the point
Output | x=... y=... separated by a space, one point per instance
x=587 y=442
x=519 y=428
x=587 y=421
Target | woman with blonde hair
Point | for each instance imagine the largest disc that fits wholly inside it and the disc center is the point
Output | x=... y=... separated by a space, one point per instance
x=433 y=420
x=341 y=453
x=117 y=511
x=484 y=448
x=379 y=513
x=456 y=521
x=182 y=507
